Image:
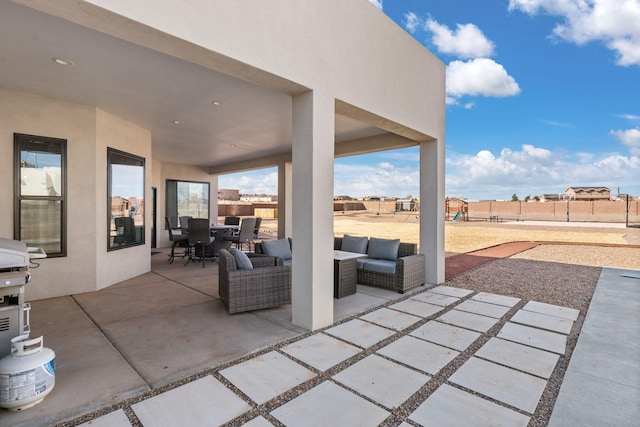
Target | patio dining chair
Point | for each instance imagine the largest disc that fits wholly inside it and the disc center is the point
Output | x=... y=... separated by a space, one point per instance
x=200 y=240
x=245 y=234
x=231 y=220
x=177 y=240
x=184 y=224
x=256 y=231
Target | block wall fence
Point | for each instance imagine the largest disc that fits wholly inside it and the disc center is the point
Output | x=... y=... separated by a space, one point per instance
x=579 y=211
x=589 y=211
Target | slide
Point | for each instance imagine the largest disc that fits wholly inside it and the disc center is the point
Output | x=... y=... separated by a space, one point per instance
x=457 y=217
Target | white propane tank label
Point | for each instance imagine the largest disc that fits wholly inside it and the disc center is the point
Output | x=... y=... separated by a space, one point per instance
x=27 y=384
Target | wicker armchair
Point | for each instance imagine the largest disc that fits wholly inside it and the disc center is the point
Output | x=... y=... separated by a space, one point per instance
x=410 y=270
x=267 y=285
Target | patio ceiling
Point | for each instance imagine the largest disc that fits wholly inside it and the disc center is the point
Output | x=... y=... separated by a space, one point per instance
x=151 y=89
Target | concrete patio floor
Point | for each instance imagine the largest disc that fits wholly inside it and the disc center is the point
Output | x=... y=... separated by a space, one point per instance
x=138 y=340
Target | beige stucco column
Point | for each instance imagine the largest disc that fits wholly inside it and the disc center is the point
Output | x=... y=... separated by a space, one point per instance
x=213 y=199
x=285 y=180
x=432 y=208
x=312 y=155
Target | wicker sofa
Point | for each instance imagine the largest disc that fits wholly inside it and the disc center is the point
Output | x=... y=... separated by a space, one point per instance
x=267 y=285
x=409 y=271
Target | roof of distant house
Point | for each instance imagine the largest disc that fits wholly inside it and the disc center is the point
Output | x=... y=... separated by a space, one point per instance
x=588 y=189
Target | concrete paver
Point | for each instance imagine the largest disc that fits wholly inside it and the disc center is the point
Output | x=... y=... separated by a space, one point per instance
x=483 y=308
x=204 y=402
x=451 y=407
x=417 y=308
x=435 y=298
x=258 y=422
x=391 y=319
x=514 y=388
x=114 y=419
x=451 y=291
x=496 y=299
x=329 y=405
x=321 y=351
x=267 y=376
x=381 y=380
x=360 y=333
x=552 y=310
x=471 y=321
x=528 y=359
x=419 y=354
x=446 y=335
x=534 y=337
x=543 y=321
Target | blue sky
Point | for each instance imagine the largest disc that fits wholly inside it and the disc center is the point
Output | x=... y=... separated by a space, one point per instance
x=541 y=95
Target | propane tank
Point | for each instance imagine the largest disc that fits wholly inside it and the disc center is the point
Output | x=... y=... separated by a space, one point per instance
x=27 y=375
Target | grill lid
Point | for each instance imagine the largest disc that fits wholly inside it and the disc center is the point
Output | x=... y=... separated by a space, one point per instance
x=13 y=253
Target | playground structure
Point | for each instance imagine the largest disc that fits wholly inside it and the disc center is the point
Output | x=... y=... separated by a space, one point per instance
x=456 y=209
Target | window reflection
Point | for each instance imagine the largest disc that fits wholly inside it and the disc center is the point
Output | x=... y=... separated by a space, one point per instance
x=40 y=209
x=125 y=199
x=187 y=198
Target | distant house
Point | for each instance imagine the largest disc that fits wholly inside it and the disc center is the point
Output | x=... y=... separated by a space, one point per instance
x=589 y=193
x=226 y=194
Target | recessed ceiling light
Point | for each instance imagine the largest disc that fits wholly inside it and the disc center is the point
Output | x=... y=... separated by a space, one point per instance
x=217 y=103
x=177 y=122
x=61 y=61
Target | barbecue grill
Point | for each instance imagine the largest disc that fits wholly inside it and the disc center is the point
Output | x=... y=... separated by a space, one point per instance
x=14 y=275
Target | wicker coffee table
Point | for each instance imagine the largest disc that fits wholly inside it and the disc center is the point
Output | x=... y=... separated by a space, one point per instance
x=345 y=273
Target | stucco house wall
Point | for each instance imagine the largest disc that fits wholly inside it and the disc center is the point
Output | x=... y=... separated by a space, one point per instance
x=329 y=56
x=88 y=131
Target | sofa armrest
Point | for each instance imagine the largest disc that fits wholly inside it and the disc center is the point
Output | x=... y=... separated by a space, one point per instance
x=261 y=260
x=410 y=271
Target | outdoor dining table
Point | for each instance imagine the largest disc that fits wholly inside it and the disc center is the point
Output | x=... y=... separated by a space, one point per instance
x=215 y=227
x=219 y=231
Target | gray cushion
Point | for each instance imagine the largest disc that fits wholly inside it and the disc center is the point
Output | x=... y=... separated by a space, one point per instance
x=379 y=265
x=383 y=248
x=355 y=244
x=242 y=260
x=279 y=248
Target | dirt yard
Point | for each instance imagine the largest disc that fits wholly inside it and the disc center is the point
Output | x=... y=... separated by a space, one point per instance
x=469 y=236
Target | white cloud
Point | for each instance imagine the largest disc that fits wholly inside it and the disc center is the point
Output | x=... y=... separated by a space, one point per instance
x=467 y=41
x=557 y=124
x=479 y=77
x=262 y=181
x=631 y=117
x=412 y=22
x=383 y=179
x=534 y=170
x=385 y=165
x=630 y=138
x=613 y=22
x=377 y=3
